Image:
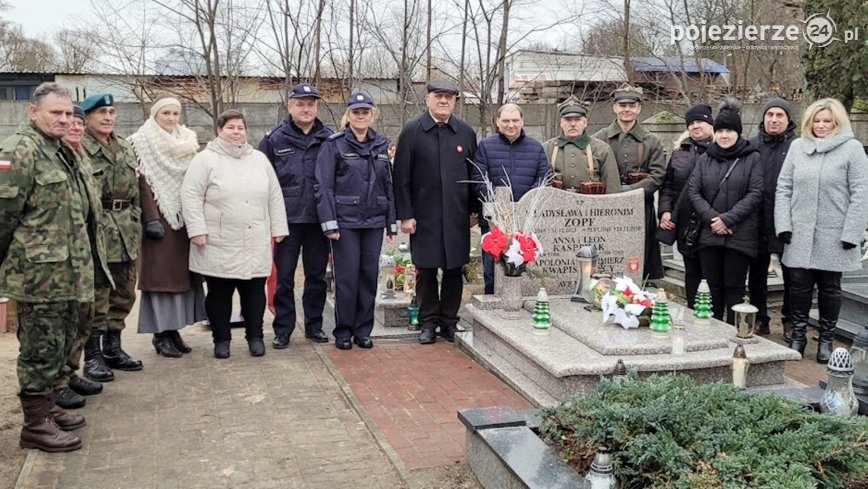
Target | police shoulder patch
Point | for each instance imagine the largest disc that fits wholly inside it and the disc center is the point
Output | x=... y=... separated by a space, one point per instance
x=335 y=135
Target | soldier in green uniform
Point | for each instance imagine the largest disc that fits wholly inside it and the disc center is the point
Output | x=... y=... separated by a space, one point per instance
x=114 y=164
x=69 y=387
x=577 y=158
x=47 y=212
x=641 y=163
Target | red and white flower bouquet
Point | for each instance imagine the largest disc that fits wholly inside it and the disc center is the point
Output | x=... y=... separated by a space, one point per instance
x=514 y=250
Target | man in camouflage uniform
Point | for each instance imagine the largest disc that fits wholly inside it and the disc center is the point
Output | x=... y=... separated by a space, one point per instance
x=642 y=164
x=69 y=387
x=114 y=165
x=47 y=211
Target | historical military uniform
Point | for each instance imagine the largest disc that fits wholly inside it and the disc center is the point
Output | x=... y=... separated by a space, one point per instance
x=47 y=209
x=641 y=164
x=114 y=164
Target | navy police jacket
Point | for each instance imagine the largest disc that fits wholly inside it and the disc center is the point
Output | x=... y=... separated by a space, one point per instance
x=354 y=183
x=293 y=155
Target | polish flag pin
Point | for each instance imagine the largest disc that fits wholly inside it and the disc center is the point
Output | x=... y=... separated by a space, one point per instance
x=459 y=148
x=5 y=165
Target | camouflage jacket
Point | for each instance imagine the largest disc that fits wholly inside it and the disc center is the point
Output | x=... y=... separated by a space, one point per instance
x=119 y=183
x=625 y=147
x=47 y=198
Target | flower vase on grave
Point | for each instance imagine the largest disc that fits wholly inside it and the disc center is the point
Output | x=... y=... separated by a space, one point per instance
x=702 y=306
x=511 y=297
x=541 y=317
x=660 y=320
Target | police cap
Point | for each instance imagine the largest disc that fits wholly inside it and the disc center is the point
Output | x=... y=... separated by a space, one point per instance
x=303 y=90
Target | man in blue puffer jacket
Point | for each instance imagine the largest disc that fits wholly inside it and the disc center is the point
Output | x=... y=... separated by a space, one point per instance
x=507 y=156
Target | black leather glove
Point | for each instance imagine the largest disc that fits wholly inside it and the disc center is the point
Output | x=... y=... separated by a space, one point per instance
x=155 y=230
x=785 y=237
x=847 y=246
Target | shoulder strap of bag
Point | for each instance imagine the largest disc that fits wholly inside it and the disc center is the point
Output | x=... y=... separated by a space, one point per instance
x=723 y=180
x=640 y=154
x=590 y=157
x=555 y=155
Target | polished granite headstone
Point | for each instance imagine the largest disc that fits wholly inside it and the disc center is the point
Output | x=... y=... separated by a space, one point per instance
x=548 y=366
x=612 y=223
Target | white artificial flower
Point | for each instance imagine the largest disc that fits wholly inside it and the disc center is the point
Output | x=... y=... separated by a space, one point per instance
x=513 y=254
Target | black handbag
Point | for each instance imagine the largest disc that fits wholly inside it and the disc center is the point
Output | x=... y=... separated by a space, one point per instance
x=690 y=237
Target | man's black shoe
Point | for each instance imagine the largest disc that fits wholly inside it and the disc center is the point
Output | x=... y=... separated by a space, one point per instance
x=280 y=342
x=343 y=344
x=448 y=333
x=221 y=349
x=67 y=399
x=84 y=387
x=427 y=336
x=256 y=347
x=317 y=336
x=364 y=342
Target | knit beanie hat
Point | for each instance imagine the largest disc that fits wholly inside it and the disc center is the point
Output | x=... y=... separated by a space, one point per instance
x=728 y=116
x=779 y=103
x=699 y=112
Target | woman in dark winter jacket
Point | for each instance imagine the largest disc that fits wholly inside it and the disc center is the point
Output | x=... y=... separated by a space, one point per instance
x=725 y=189
x=674 y=208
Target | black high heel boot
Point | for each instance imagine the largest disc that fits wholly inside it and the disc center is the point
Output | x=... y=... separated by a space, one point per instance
x=180 y=345
x=164 y=346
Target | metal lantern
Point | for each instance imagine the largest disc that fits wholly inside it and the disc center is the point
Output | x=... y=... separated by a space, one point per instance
x=859 y=357
x=601 y=475
x=587 y=256
x=838 y=398
x=387 y=276
x=745 y=318
x=739 y=367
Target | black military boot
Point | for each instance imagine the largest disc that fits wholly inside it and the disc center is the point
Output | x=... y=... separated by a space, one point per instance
x=115 y=356
x=67 y=399
x=84 y=386
x=95 y=367
x=41 y=431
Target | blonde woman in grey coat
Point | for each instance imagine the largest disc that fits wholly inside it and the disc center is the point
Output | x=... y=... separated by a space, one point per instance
x=821 y=211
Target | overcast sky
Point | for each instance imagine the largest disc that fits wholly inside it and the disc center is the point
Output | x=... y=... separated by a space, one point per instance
x=43 y=17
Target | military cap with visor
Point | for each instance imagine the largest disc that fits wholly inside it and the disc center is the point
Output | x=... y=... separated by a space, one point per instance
x=627 y=94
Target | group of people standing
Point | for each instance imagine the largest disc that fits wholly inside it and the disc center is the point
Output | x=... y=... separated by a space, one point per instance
x=731 y=203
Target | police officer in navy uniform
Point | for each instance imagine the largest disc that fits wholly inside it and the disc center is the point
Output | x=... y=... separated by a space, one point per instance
x=293 y=147
x=355 y=203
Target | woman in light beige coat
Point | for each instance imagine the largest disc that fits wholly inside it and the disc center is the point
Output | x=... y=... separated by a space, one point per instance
x=233 y=208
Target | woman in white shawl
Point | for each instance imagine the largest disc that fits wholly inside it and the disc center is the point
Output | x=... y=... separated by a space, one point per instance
x=172 y=296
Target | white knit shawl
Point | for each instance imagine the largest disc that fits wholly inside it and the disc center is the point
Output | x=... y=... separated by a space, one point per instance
x=163 y=160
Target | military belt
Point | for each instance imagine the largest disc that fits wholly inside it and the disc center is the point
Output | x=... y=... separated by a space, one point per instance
x=115 y=205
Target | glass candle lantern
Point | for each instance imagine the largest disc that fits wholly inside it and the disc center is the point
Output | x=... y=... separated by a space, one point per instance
x=679 y=339
x=601 y=475
x=859 y=357
x=413 y=313
x=745 y=318
x=409 y=279
x=587 y=256
x=739 y=367
x=387 y=276
x=838 y=397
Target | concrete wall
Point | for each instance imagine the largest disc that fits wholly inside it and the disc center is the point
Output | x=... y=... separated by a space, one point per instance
x=541 y=121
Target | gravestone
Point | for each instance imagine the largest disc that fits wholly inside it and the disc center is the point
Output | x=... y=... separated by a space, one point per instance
x=614 y=224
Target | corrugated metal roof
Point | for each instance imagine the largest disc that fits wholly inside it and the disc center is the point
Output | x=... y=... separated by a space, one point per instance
x=676 y=64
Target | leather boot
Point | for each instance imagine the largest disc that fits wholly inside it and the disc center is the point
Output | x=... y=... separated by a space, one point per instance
x=83 y=386
x=164 y=345
x=761 y=327
x=95 y=367
x=66 y=398
x=788 y=331
x=64 y=420
x=115 y=356
x=180 y=345
x=41 y=431
x=427 y=336
x=829 y=305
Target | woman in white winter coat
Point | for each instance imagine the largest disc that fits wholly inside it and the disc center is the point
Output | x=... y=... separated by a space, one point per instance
x=233 y=208
x=821 y=211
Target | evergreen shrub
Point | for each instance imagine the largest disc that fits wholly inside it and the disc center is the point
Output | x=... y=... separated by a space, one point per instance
x=667 y=432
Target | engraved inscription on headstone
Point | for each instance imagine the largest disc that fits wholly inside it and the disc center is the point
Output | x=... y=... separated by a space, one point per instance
x=611 y=223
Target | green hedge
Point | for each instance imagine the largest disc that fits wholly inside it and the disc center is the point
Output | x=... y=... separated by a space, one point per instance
x=668 y=432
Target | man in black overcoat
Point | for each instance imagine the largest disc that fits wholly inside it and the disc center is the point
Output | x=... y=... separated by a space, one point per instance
x=435 y=205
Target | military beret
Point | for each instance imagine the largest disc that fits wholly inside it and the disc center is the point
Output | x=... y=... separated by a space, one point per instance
x=78 y=112
x=303 y=90
x=443 y=86
x=628 y=94
x=359 y=100
x=97 y=101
